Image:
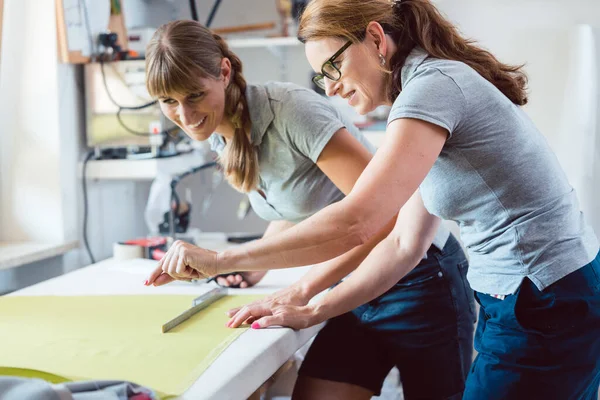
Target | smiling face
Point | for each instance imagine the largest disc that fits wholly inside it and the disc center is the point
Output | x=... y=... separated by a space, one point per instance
x=362 y=83
x=200 y=111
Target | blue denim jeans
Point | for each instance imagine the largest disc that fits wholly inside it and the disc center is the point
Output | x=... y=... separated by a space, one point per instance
x=540 y=344
x=423 y=325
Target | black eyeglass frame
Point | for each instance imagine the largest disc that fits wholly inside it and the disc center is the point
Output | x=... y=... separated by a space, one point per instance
x=319 y=79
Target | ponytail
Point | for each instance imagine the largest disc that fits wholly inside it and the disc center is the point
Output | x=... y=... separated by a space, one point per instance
x=240 y=159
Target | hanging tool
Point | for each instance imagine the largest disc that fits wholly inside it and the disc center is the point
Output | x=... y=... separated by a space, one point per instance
x=199 y=304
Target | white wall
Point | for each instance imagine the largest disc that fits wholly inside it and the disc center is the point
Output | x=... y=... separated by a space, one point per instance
x=532 y=32
x=29 y=114
x=39 y=128
x=539 y=34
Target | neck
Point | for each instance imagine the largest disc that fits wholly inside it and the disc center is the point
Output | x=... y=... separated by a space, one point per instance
x=226 y=129
x=391 y=52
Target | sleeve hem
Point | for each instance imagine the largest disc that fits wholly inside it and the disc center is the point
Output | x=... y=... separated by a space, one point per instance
x=329 y=131
x=416 y=115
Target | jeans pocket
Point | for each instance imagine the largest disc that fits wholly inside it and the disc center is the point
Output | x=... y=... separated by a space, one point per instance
x=423 y=273
x=546 y=313
x=463 y=268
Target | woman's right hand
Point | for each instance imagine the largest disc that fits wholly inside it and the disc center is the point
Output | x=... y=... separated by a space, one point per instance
x=184 y=261
x=292 y=295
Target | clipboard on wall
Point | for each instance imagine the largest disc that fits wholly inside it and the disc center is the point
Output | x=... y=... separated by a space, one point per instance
x=79 y=22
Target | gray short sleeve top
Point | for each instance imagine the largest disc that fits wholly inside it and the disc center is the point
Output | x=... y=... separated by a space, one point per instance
x=496 y=177
x=291 y=126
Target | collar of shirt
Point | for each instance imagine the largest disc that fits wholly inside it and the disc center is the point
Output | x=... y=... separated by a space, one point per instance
x=261 y=116
x=414 y=59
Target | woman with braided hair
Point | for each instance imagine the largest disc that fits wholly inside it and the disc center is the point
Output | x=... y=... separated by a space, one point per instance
x=458 y=134
x=294 y=154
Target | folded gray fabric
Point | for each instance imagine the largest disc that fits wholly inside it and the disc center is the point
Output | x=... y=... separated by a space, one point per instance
x=13 y=388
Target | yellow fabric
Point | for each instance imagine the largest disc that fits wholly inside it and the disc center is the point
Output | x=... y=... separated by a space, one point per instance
x=113 y=337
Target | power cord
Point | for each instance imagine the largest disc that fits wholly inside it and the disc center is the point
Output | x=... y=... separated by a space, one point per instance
x=121 y=108
x=194 y=10
x=88 y=157
x=212 y=13
x=175 y=198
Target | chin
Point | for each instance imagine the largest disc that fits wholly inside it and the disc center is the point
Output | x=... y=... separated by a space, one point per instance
x=198 y=136
x=201 y=137
x=363 y=109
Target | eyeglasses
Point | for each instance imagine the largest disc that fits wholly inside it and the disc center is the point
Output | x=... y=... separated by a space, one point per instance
x=329 y=70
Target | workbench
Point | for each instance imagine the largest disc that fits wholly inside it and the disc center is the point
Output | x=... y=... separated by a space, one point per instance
x=242 y=370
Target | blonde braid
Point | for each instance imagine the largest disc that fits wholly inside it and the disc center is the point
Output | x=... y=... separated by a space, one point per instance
x=240 y=158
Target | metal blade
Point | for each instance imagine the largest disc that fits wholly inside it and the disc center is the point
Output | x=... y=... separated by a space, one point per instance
x=199 y=304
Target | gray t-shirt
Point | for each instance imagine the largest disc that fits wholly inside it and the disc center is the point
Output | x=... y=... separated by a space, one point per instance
x=496 y=177
x=291 y=126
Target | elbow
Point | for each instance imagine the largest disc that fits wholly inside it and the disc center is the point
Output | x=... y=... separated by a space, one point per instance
x=359 y=230
x=363 y=222
x=408 y=249
x=357 y=235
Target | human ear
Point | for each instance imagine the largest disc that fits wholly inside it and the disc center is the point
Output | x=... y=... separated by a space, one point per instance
x=225 y=70
x=376 y=35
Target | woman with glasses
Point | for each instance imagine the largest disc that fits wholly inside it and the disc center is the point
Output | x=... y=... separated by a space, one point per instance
x=294 y=154
x=457 y=132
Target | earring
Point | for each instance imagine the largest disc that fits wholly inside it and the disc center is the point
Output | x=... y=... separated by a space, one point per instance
x=381 y=59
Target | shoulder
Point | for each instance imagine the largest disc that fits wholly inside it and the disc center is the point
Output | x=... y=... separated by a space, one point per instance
x=434 y=91
x=435 y=80
x=295 y=105
x=434 y=71
x=285 y=94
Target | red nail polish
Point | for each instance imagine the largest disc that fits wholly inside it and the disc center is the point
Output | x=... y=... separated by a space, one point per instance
x=146 y=283
x=255 y=325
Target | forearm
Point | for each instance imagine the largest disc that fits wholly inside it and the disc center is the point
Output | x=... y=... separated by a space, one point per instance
x=276 y=227
x=380 y=192
x=326 y=235
x=324 y=275
x=384 y=266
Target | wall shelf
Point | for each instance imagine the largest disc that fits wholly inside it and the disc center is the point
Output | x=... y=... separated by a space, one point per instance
x=263 y=42
x=15 y=254
x=143 y=170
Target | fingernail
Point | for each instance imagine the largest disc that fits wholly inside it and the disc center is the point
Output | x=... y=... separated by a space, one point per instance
x=146 y=282
x=255 y=325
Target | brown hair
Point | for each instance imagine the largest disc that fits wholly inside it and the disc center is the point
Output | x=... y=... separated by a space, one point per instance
x=181 y=51
x=410 y=23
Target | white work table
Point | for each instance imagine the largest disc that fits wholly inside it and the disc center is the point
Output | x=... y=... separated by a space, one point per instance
x=241 y=369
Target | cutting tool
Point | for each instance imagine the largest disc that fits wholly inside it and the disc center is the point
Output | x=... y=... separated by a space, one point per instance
x=198 y=304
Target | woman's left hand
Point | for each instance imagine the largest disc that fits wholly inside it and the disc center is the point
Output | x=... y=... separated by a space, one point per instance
x=265 y=315
x=184 y=261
